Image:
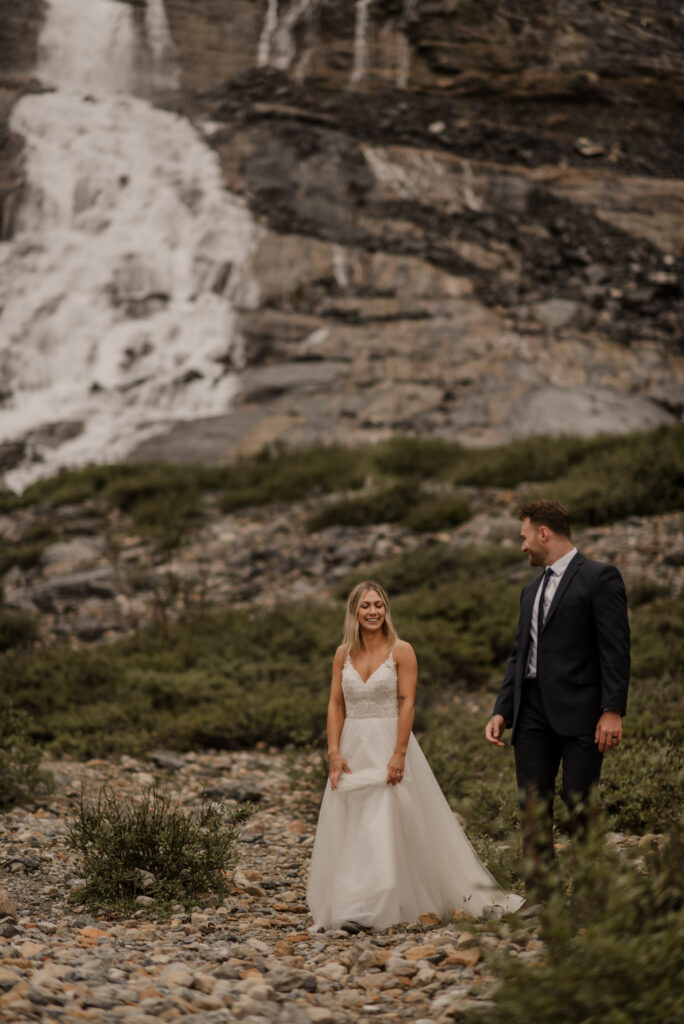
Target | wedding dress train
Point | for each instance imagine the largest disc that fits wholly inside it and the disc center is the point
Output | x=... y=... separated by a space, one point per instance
x=386 y=854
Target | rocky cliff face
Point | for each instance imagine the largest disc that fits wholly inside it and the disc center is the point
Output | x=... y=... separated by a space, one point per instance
x=472 y=214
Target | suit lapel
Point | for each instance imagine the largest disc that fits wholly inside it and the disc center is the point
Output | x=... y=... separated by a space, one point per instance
x=562 y=587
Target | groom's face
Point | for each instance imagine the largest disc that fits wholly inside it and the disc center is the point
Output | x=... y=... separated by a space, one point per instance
x=532 y=544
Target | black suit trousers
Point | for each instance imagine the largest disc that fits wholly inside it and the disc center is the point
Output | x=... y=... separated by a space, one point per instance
x=539 y=752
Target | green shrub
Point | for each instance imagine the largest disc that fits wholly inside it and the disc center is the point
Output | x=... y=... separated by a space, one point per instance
x=613 y=946
x=153 y=848
x=385 y=505
x=642 y=783
x=535 y=458
x=658 y=638
x=436 y=564
x=417 y=456
x=642 y=474
x=288 y=476
x=440 y=512
x=21 y=776
x=26 y=553
x=17 y=630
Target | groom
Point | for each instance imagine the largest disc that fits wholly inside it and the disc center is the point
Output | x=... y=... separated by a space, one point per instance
x=564 y=691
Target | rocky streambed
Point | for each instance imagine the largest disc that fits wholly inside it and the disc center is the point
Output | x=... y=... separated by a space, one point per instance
x=252 y=957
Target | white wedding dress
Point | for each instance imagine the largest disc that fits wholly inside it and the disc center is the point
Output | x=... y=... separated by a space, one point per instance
x=386 y=854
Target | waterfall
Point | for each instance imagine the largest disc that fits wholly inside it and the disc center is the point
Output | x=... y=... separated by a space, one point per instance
x=88 y=47
x=164 y=57
x=117 y=291
x=360 y=39
x=277 y=46
x=267 y=34
x=404 y=46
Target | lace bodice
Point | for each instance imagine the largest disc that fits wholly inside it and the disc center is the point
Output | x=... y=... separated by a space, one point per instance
x=377 y=697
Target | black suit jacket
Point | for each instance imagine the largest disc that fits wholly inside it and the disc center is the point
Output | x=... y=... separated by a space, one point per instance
x=583 y=650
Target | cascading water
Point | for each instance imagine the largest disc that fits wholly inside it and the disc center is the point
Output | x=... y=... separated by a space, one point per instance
x=360 y=42
x=117 y=290
x=277 y=46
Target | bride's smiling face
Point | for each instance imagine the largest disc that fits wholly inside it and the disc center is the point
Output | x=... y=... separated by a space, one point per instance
x=371 y=613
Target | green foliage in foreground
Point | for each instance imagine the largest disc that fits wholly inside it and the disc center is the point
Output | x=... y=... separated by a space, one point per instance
x=152 y=848
x=20 y=774
x=614 y=952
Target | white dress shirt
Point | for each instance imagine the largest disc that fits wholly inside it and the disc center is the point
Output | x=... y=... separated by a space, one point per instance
x=557 y=570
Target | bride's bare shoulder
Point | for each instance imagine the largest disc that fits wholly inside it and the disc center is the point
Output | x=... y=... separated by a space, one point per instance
x=340 y=655
x=403 y=652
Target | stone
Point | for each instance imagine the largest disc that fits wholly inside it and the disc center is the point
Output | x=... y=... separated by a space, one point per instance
x=333 y=972
x=462 y=958
x=419 y=952
x=166 y=759
x=177 y=974
x=320 y=1015
x=8 y=978
x=429 y=920
x=8 y=907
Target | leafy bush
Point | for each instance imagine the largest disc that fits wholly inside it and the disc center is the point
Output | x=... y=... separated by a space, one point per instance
x=436 y=564
x=291 y=475
x=152 y=848
x=384 y=505
x=17 y=629
x=613 y=949
x=642 y=783
x=642 y=474
x=20 y=774
x=25 y=554
x=417 y=456
x=401 y=502
x=441 y=512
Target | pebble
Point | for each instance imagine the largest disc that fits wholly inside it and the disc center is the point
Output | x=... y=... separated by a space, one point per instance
x=249 y=957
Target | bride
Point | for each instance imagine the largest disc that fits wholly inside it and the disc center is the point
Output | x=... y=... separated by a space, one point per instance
x=388 y=847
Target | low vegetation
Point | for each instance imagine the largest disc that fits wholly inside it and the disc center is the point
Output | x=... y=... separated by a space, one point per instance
x=230 y=678
x=21 y=775
x=150 y=848
x=600 y=479
x=613 y=949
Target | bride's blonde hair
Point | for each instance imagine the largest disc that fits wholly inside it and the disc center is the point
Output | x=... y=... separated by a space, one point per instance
x=352 y=630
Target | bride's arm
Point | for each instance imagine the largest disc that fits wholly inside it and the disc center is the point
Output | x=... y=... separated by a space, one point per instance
x=407 y=678
x=336 y=720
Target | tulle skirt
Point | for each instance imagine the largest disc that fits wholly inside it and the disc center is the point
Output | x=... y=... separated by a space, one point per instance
x=386 y=854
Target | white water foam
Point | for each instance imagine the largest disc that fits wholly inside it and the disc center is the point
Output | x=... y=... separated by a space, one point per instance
x=165 y=73
x=117 y=291
x=277 y=45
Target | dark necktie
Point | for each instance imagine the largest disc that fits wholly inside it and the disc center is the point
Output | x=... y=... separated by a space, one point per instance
x=540 y=611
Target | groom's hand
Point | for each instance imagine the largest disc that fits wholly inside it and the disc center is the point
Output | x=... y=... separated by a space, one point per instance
x=337 y=766
x=608 y=734
x=495 y=730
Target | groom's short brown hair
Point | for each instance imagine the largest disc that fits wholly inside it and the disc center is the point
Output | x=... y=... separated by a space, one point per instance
x=547 y=513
